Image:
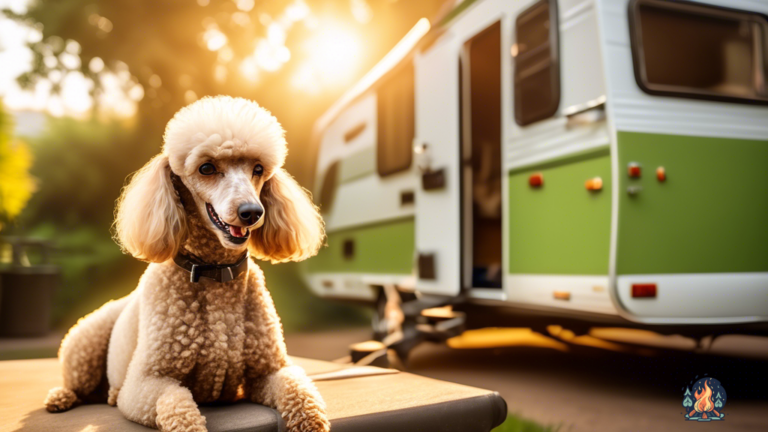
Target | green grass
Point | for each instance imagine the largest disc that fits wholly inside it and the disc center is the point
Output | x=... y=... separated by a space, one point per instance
x=517 y=424
x=29 y=353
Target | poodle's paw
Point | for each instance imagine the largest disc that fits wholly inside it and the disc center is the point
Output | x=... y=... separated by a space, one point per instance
x=178 y=412
x=302 y=407
x=60 y=399
x=311 y=423
x=112 y=398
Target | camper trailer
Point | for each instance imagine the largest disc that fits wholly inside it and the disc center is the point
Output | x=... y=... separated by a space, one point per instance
x=600 y=160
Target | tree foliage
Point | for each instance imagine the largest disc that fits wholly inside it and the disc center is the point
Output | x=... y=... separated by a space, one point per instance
x=154 y=37
x=161 y=42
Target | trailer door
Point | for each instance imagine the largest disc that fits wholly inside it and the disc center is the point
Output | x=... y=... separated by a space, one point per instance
x=438 y=194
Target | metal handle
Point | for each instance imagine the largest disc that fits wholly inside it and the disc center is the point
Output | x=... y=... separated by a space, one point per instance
x=423 y=156
x=589 y=113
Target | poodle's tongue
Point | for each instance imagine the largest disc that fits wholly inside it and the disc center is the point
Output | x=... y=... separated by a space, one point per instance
x=237 y=231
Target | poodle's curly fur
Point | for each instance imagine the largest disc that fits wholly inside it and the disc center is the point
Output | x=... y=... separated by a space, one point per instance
x=171 y=343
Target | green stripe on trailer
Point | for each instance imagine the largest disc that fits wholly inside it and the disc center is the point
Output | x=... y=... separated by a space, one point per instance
x=382 y=248
x=711 y=213
x=561 y=227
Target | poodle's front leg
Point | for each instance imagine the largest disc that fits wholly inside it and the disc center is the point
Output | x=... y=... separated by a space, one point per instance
x=160 y=402
x=295 y=396
x=270 y=378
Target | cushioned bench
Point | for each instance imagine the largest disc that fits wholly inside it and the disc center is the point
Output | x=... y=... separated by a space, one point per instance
x=359 y=399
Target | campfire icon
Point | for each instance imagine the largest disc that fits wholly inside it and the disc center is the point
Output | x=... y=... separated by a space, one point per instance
x=704 y=401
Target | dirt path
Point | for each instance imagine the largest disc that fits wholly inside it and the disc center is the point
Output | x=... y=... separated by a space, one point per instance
x=584 y=389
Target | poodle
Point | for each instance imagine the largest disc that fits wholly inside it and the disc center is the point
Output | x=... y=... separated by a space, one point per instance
x=201 y=326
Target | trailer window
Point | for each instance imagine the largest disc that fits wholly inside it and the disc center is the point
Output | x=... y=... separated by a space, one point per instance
x=395 y=122
x=692 y=50
x=537 y=69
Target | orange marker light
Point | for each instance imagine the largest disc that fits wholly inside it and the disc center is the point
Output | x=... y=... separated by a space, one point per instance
x=594 y=184
x=536 y=180
x=634 y=170
x=661 y=174
x=644 y=290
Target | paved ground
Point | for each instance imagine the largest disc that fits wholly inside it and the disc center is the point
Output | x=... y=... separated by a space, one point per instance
x=585 y=389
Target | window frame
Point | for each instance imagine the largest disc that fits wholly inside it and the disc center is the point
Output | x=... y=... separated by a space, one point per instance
x=638 y=55
x=327 y=194
x=554 y=62
x=387 y=79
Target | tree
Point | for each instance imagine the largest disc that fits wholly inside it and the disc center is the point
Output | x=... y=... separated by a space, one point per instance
x=179 y=50
x=687 y=402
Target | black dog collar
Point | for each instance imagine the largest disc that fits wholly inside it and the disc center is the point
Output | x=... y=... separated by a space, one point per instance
x=217 y=272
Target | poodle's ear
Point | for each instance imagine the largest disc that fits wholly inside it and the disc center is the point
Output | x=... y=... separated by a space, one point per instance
x=149 y=220
x=293 y=229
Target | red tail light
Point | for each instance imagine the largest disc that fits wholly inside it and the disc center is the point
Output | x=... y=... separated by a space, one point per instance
x=633 y=170
x=536 y=180
x=644 y=290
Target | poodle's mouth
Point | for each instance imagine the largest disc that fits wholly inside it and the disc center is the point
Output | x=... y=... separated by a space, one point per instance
x=235 y=234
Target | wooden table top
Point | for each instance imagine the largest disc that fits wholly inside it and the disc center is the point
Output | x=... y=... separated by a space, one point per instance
x=357 y=398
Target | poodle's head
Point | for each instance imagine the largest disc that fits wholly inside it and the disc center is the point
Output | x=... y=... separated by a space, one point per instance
x=228 y=153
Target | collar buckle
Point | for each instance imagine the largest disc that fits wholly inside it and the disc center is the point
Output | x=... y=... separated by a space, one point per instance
x=217 y=272
x=226 y=274
x=194 y=273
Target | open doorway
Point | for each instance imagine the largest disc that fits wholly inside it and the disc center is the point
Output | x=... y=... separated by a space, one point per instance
x=480 y=91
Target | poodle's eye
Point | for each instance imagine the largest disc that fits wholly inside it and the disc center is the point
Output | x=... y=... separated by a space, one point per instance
x=258 y=170
x=207 y=169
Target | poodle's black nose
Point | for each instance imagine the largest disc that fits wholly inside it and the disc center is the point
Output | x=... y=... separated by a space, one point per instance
x=250 y=213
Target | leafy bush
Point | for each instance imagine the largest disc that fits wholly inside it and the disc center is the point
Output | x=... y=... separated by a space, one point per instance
x=80 y=167
x=16 y=185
